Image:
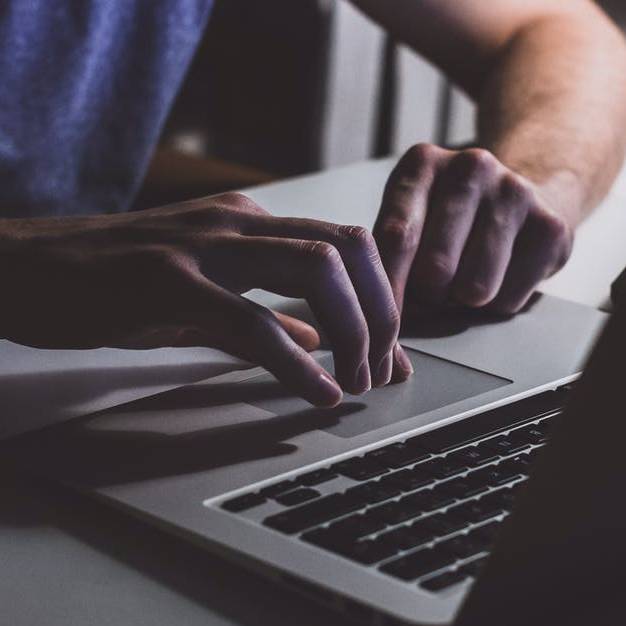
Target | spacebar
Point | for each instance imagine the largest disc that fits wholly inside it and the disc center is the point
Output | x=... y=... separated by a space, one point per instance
x=314 y=513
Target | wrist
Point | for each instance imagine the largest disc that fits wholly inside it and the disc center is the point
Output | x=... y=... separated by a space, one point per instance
x=561 y=189
x=564 y=193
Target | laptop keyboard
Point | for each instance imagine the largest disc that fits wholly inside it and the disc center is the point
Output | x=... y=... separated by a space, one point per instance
x=424 y=510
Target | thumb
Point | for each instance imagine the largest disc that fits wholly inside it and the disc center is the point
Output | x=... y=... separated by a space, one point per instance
x=302 y=333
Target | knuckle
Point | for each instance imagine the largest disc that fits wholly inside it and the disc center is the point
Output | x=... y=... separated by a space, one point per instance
x=236 y=201
x=475 y=162
x=421 y=152
x=554 y=239
x=416 y=158
x=439 y=268
x=393 y=323
x=359 y=336
x=386 y=328
x=477 y=293
x=398 y=234
x=512 y=190
x=555 y=226
x=503 y=220
x=160 y=258
x=234 y=198
x=402 y=184
x=322 y=254
x=357 y=236
x=562 y=239
x=556 y=230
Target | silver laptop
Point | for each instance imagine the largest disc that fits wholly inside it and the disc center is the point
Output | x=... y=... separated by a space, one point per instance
x=385 y=507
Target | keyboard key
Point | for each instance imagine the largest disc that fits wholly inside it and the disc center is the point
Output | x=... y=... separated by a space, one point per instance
x=443 y=468
x=374 y=492
x=368 y=551
x=521 y=463
x=408 y=480
x=277 y=488
x=422 y=501
x=505 y=498
x=403 y=455
x=381 y=453
x=519 y=440
x=533 y=433
x=357 y=526
x=519 y=486
x=496 y=475
x=298 y=496
x=324 y=538
x=506 y=444
x=418 y=564
x=473 y=567
x=388 y=513
x=502 y=498
x=534 y=453
x=405 y=537
x=443 y=524
x=548 y=422
x=393 y=513
x=475 y=511
x=478 y=426
x=316 y=477
x=462 y=546
x=312 y=514
x=360 y=468
x=473 y=456
x=447 y=579
x=424 y=529
x=429 y=499
x=486 y=534
x=465 y=487
x=243 y=503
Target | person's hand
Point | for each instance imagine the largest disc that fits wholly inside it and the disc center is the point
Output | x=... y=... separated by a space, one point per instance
x=174 y=277
x=460 y=228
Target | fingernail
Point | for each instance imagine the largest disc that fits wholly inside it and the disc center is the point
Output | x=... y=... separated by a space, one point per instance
x=328 y=392
x=363 y=381
x=383 y=373
x=402 y=360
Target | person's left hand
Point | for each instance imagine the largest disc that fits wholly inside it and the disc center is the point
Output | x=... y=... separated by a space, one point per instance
x=460 y=228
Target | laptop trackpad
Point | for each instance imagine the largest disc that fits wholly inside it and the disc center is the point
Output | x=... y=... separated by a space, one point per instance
x=435 y=384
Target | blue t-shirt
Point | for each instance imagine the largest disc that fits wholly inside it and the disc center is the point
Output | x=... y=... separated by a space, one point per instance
x=85 y=89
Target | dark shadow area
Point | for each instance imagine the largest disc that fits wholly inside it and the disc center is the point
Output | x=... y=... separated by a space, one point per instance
x=31 y=400
x=424 y=322
x=184 y=569
x=428 y=323
x=108 y=457
x=205 y=396
x=278 y=51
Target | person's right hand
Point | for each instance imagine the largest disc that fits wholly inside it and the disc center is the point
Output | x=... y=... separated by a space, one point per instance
x=174 y=276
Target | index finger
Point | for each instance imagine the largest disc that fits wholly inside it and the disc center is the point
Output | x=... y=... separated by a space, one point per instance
x=361 y=260
x=400 y=222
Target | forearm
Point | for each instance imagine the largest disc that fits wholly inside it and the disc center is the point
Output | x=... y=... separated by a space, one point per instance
x=553 y=109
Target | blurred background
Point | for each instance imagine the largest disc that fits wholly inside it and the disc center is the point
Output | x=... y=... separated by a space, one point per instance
x=279 y=88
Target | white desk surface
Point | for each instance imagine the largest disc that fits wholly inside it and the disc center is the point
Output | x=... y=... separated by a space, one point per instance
x=66 y=561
